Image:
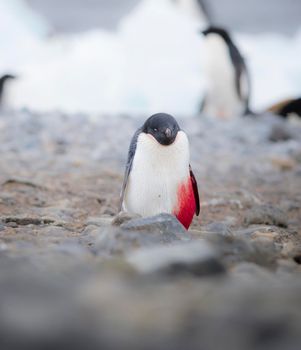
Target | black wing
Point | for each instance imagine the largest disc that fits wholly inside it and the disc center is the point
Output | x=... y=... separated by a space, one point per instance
x=128 y=167
x=195 y=191
x=240 y=69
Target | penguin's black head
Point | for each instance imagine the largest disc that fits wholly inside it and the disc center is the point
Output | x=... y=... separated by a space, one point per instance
x=163 y=127
x=219 y=31
x=7 y=77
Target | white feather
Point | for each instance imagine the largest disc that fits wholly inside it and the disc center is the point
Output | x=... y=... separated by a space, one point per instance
x=156 y=173
x=221 y=98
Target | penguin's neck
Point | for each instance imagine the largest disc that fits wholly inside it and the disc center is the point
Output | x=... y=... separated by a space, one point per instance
x=160 y=158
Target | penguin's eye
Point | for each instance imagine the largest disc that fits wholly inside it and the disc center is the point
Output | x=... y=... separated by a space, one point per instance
x=155 y=129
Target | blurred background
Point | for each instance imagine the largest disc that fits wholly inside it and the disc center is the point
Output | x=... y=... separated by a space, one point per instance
x=140 y=57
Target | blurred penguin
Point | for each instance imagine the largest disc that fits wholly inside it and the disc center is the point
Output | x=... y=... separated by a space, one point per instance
x=287 y=108
x=197 y=9
x=227 y=91
x=3 y=81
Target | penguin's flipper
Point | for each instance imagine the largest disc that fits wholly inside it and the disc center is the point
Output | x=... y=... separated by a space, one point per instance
x=195 y=191
x=202 y=105
x=244 y=90
x=128 y=167
x=242 y=79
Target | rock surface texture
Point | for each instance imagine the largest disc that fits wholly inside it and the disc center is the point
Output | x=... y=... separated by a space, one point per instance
x=73 y=275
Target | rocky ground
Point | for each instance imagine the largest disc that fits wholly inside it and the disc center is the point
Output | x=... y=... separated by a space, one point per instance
x=74 y=275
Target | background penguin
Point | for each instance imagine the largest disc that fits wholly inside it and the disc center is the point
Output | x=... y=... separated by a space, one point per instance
x=228 y=84
x=3 y=81
x=287 y=108
x=158 y=177
x=197 y=9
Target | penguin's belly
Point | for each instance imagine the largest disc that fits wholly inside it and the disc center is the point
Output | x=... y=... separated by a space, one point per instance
x=222 y=98
x=154 y=191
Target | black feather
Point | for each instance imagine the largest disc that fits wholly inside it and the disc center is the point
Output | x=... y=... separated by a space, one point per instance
x=3 y=81
x=195 y=191
x=292 y=107
x=129 y=163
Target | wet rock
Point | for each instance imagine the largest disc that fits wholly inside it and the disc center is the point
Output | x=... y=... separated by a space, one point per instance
x=196 y=258
x=266 y=215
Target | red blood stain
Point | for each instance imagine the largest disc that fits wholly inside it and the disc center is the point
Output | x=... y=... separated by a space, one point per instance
x=186 y=207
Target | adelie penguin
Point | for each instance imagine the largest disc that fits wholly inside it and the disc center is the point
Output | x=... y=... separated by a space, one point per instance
x=158 y=176
x=227 y=92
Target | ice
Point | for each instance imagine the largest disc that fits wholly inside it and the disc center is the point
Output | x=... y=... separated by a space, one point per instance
x=152 y=63
x=274 y=63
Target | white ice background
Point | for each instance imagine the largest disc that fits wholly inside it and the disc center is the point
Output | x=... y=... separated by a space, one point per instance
x=152 y=63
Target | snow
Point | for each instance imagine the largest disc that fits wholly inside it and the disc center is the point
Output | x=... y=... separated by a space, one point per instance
x=152 y=63
x=274 y=63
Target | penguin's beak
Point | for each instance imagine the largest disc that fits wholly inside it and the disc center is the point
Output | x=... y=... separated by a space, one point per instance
x=168 y=133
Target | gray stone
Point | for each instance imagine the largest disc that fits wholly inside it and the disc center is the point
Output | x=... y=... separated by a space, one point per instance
x=71 y=249
x=27 y=220
x=266 y=215
x=123 y=217
x=67 y=283
x=197 y=258
x=164 y=223
x=90 y=235
x=218 y=228
x=118 y=241
x=248 y=270
x=235 y=249
x=101 y=221
x=280 y=133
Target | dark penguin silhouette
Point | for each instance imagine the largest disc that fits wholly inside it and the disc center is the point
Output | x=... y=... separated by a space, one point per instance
x=287 y=108
x=3 y=81
x=228 y=83
x=158 y=177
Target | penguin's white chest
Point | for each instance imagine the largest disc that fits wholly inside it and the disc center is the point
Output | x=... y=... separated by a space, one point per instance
x=156 y=174
x=222 y=98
